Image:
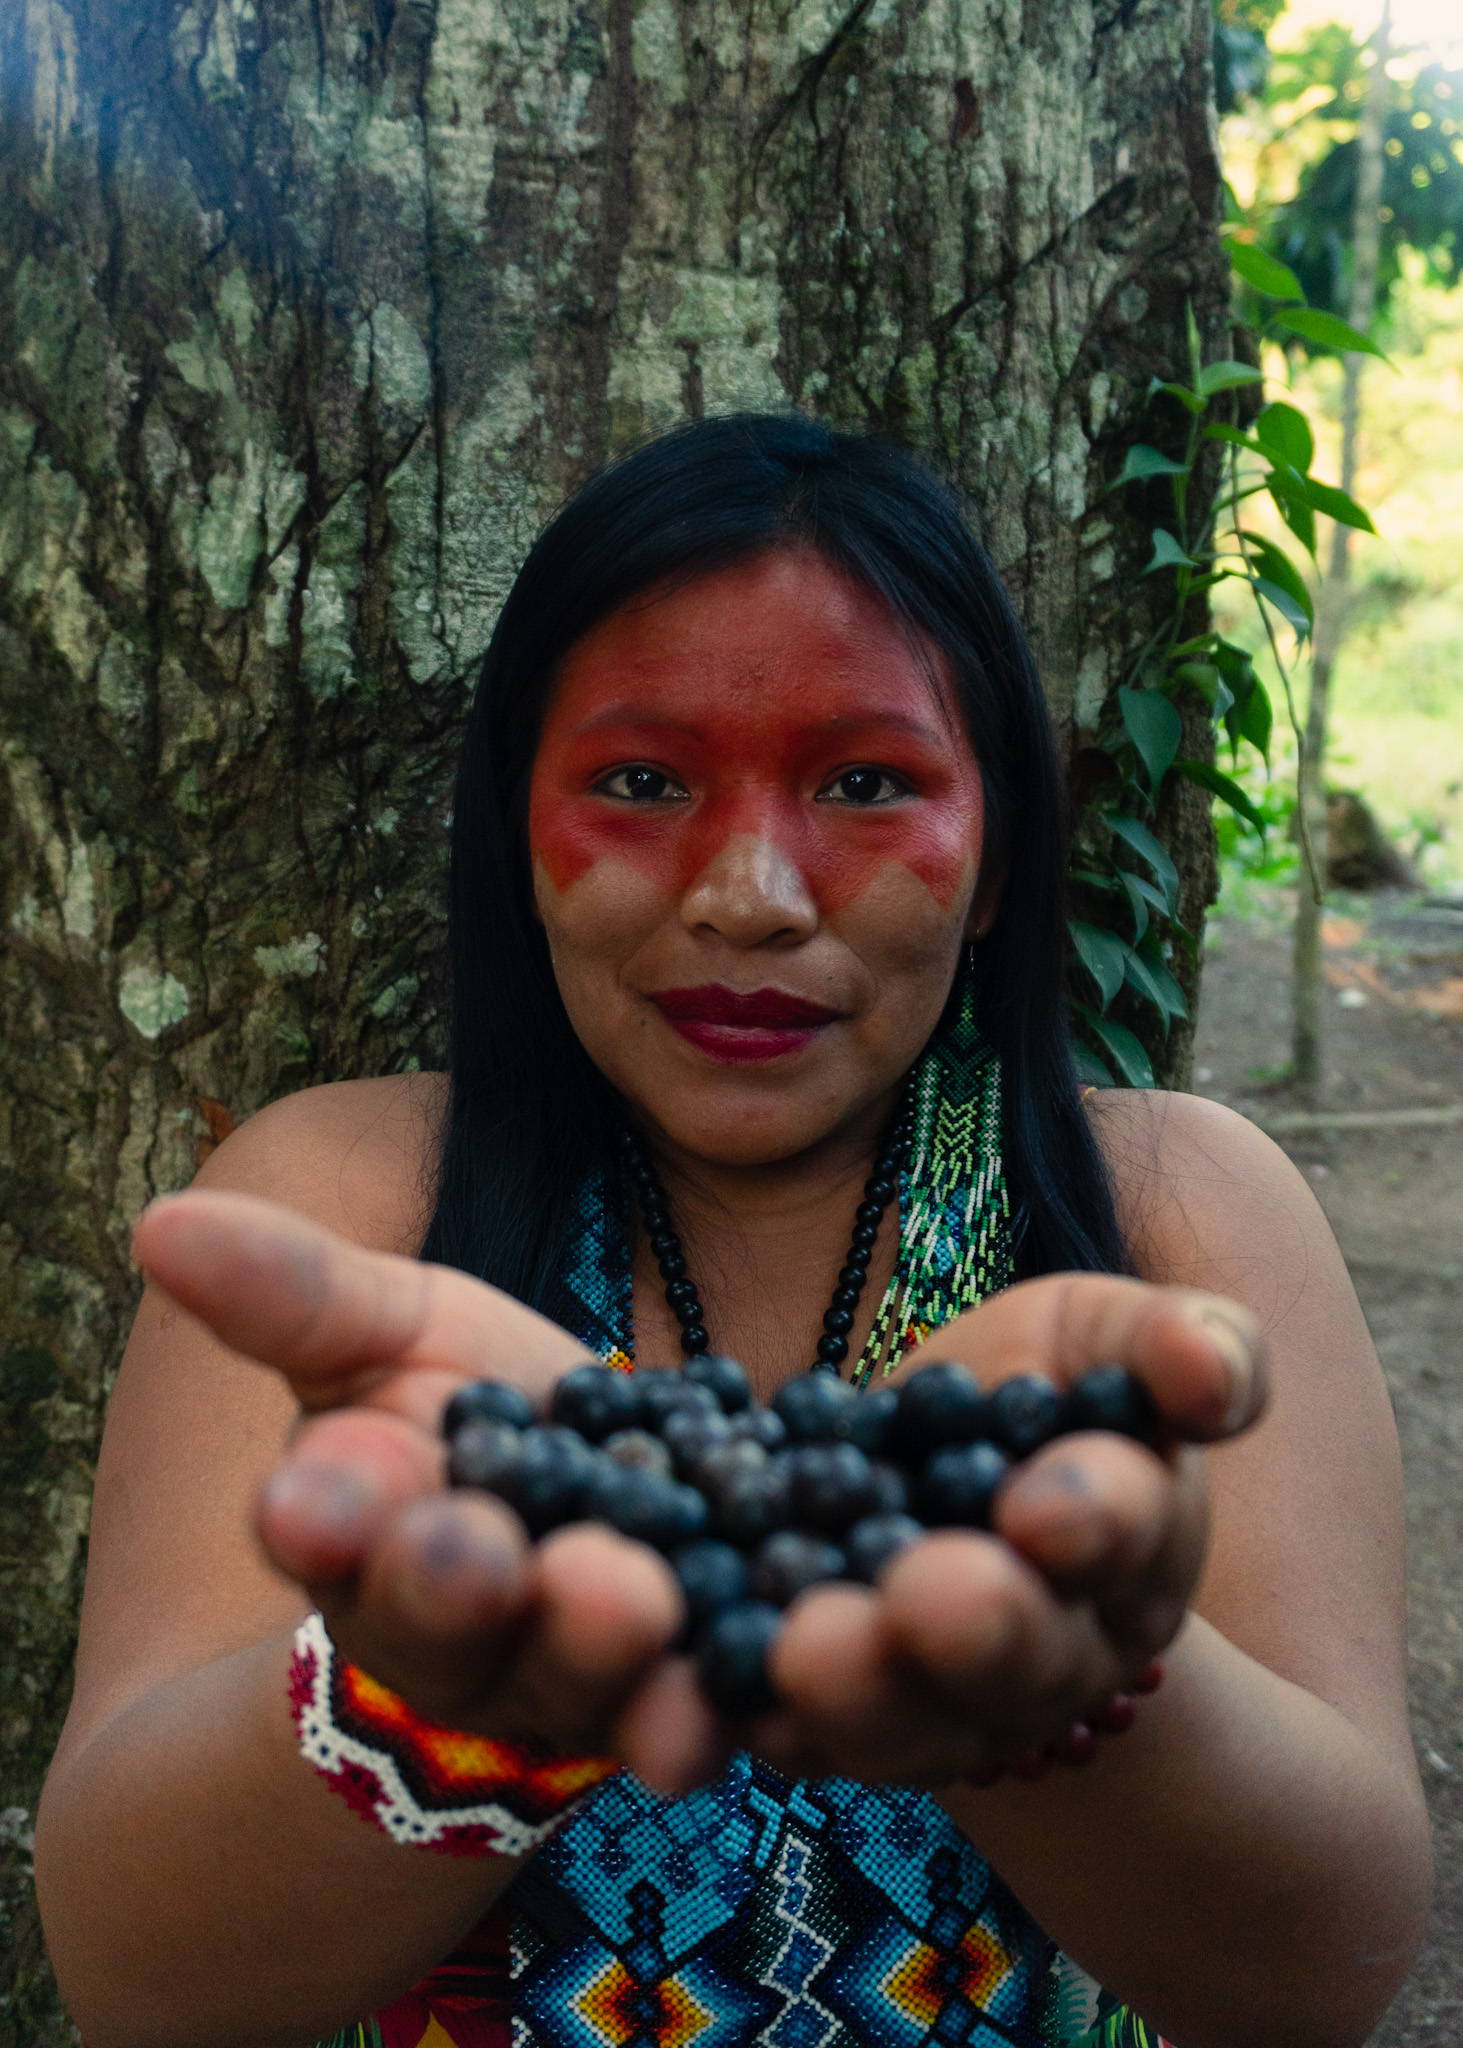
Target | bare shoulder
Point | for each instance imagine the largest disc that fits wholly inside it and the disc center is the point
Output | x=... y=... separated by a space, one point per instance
x=1206 y=1198
x=358 y=1156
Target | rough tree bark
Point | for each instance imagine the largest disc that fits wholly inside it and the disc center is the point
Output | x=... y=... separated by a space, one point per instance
x=311 y=314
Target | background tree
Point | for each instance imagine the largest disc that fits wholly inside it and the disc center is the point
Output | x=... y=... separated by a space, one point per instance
x=312 y=314
x=1359 y=175
x=1368 y=170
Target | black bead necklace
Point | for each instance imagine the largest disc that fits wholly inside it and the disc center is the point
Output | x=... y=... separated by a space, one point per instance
x=681 y=1293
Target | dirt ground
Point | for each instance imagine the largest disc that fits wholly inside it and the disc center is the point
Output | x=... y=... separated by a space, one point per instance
x=1394 y=1194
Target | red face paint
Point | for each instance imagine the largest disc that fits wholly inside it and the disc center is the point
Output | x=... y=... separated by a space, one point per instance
x=751 y=692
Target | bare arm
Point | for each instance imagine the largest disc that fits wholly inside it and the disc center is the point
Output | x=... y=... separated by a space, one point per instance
x=199 y=1883
x=1251 y=1863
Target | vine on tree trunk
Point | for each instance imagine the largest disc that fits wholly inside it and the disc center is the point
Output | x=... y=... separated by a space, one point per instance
x=1119 y=862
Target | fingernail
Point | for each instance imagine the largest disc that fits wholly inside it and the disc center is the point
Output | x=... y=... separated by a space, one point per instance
x=335 y=1502
x=1233 y=1346
x=448 y=1550
x=1073 y=1540
x=1058 y=1478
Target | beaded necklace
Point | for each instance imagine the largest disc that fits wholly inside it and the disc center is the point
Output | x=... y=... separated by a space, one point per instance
x=682 y=1296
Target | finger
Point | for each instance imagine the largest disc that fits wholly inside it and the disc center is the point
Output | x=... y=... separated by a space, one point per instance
x=667 y=1733
x=1201 y=1356
x=1088 y=1511
x=440 y=1601
x=856 y=1705
x=1104 y=1520
x=1144 y=1619
x=990 y=1636
x=345 y=1475
x=605 y=1610
x=343 y=1324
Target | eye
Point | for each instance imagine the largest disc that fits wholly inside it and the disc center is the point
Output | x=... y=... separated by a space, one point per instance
x=638 y=783
x=864 y=786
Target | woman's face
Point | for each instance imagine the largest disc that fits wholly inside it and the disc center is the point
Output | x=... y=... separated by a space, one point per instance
x=756 y=829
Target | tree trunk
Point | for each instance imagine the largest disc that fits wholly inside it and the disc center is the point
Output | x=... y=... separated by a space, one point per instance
x=312 y=314
x=1309 y=988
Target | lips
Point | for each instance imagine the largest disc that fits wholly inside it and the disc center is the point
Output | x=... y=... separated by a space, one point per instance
x=767 y=1009
x=764 y=1024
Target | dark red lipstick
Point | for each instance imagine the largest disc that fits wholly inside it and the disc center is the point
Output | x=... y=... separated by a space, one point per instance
x=764 y=1024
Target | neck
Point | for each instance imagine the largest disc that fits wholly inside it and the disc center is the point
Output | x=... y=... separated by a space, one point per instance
x=764 y=1199
x=764 y=1245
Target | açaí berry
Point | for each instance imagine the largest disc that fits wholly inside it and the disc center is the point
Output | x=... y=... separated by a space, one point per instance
x=753 y=1506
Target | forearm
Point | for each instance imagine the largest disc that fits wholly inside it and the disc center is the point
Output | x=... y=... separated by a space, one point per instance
x=202 y=1887
x=1244 y=1866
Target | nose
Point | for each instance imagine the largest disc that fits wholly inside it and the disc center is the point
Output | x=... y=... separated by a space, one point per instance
x=750 y=894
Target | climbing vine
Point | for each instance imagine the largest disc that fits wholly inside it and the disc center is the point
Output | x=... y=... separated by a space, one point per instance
x=1120 y=863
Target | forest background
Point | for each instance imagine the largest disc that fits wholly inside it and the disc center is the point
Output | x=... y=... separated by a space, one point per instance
x=265 y=453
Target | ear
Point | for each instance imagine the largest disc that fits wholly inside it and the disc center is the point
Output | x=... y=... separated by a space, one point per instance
x=986 y=902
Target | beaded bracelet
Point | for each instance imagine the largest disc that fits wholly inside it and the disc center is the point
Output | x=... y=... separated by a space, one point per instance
x=1078 y=1746
x=420 y=1783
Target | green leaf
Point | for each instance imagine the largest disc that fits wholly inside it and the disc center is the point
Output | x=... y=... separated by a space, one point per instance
x=1139 y=905
x=1287 y=433
x=1190 y=400
x=1256 y=718
x=1292 y=501
x=1143 y=897
x=1103 y=954
x=1285 y=604
x=1127 y=1053
x=1149 y=849
x=1224 y=376
x=1167 y=554
x=1269 y=277
x=1337 y=505
x=1325 y=330
x=1192 y=343
x=1148 y=973
x=1139 y=977
x=1204 y=677
x=1142 y=461
x=1235 y=665
x=1238 y=671
x=1225 y=788
x=1200 y=644
x=1155 y=729
x=1219 y=430
x=1277 y=568
x=1091 y=1071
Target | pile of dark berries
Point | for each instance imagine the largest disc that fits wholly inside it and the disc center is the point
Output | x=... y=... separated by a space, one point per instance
x=751 y=1506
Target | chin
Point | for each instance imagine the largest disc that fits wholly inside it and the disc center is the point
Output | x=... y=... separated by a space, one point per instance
x=743 y=1132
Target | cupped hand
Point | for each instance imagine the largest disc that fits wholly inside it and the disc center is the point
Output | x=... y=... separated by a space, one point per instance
x=437 y=1593
x=976 y=1650
x=972 y=1650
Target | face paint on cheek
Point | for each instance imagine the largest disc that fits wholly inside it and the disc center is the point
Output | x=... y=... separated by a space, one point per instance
x=563 y=837
x=939 y=844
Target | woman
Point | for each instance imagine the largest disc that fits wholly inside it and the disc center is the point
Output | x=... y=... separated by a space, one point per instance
x=756 y=870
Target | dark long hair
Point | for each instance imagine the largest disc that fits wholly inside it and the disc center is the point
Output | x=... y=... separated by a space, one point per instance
x=529 y=1115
